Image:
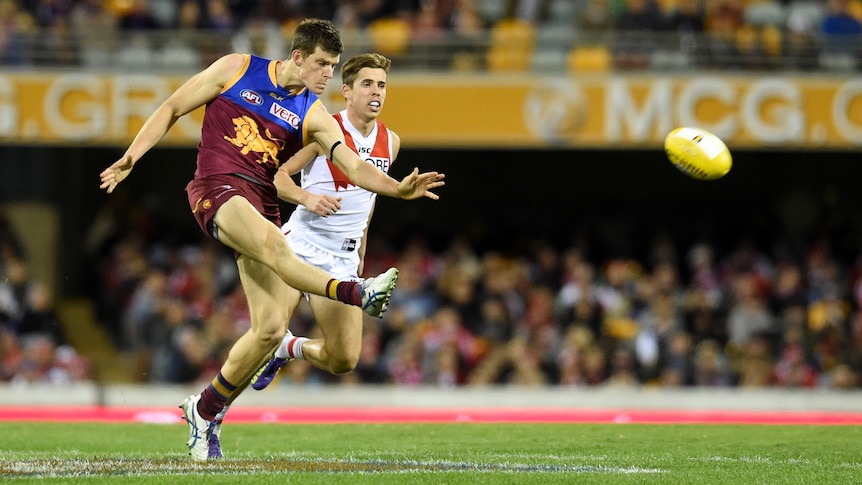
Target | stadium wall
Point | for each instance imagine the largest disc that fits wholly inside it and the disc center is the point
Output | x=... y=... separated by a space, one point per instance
x=366 y=396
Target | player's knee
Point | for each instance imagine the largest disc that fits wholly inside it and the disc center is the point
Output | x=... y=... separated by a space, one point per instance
x=268 y=250
x=343 y=364
x=270 y=333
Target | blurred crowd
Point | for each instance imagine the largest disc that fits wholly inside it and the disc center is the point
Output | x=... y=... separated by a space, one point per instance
x=537 y=34
x=547 y=316
x=33 y=344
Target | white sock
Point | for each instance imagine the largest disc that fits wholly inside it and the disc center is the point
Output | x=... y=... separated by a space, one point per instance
x=291 y=347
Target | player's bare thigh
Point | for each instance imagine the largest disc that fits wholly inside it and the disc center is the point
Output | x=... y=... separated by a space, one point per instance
x=242 y=228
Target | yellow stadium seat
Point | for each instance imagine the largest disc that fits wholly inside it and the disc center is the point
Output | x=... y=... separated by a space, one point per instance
x=503 y=59
x=389 y=36
x=288 y=28
x=512 y=42
x=513 y=33
x=589 y=59
x=118 y=7
x=772 y=40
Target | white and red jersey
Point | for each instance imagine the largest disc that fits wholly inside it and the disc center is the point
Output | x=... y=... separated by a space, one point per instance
x=342 y=231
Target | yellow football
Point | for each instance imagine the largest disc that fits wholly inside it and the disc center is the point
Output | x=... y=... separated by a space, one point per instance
x=698 y=153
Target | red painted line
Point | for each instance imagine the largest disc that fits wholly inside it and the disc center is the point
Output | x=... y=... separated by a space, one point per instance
x=309 y=415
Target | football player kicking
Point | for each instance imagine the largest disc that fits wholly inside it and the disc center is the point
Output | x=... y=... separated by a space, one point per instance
x=329 y=227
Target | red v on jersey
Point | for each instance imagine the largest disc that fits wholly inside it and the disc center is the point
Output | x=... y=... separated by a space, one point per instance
x=380 y=153
x=338 y=177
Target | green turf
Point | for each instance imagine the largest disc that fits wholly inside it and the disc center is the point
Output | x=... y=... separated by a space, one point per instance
x=437 y=454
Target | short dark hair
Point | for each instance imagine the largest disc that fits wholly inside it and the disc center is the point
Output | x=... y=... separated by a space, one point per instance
x=351 y=68
x=313 y=33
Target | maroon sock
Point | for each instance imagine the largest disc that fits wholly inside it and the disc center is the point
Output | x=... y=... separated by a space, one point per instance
x=214 y=397
x=345 y=291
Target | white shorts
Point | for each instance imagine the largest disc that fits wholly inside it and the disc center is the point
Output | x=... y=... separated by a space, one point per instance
x=344 y=267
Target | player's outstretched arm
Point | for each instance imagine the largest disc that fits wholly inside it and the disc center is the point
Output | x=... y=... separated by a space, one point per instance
x=199 y=90
x=328 y=135
x=320 y=204
x=418 y=185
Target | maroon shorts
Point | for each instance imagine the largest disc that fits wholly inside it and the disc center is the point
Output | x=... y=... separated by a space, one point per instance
x=208 y=194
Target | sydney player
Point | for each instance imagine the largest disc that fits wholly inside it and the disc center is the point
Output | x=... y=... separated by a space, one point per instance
x=258 y=113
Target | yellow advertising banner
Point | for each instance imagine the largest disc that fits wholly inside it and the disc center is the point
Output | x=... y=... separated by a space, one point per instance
x=465 y=110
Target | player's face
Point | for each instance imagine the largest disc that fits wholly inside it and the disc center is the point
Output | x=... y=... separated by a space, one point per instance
x=368 y=93
x=317 y=69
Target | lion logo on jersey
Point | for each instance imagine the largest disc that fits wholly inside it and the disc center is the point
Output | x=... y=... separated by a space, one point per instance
x=248 y=138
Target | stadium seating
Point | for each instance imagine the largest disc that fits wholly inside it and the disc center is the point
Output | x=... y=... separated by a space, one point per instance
x=389 y=36
x=512 y=42
x=589 y=59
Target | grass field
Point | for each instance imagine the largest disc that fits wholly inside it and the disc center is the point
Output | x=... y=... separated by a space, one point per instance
x=437 y=454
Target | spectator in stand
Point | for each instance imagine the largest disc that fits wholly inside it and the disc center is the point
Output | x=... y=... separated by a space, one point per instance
x=596 y=16
x=457 y=289
x=95 y=27
x=748 y=315
x=570 y=358
x=92 y=16
x=843 y=377
x=676 y=361
x=138 y=17
x=788 y=289
x=578 y=296
x=219 y=17
x=840 y=28
x=637 y=27
x=404 y=362
x=43 y=361
x=524 y=365
x=686 y=17
x=703 y=275
x=180 y=349
x=190 y=17
x=657 y=325
x=534 y=11
x=754 y=366
x=446 y=329
x=723 y=20
x=121 y=273
x=793 y=368
x=467 y=26
x=495 y=325
x=40 y=316
x=640 y=15
x=595 y=361
x=711 y=366
x=11 y=353
x=26 y=305
x=802 y=43
x=413 y=301
x=50 y=12
x=15 y=287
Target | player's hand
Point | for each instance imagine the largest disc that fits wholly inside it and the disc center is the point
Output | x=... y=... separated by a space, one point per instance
x=418 y=185
x=115 y=174
x=322 y=205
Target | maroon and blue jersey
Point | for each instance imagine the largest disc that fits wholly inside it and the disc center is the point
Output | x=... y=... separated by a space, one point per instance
x=254 y=125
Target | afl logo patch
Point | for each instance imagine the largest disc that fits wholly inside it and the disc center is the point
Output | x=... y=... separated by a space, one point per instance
x=252 y=97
